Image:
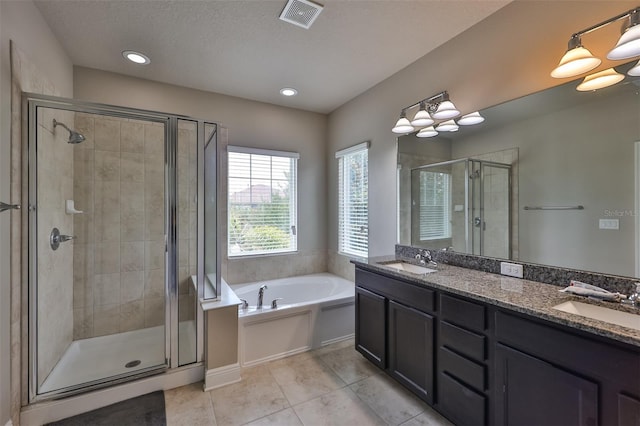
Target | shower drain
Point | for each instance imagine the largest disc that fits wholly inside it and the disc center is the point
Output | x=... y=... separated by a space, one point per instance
x=133 y=363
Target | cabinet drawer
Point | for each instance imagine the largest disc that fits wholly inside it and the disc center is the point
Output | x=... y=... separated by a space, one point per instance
x=462 y=368
x=463 y=341
x=461 y=312
x=461 y=404
x=412 y=295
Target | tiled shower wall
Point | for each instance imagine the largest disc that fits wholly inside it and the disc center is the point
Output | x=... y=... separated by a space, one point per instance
x=55 y=267
x=119 y=263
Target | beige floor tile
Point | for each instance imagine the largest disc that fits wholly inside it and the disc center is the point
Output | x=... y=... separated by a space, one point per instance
x=281 y=418
x=304 y=379
x=189 y=406
x=349 y=365
x=256 y=396
x=393 y=403
x=340 y=407
x=428 y=418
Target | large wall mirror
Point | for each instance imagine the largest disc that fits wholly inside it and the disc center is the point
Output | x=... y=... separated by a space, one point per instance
x=551 y=178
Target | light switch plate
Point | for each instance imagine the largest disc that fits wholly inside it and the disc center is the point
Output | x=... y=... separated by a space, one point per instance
x=609 y=224
x=511 y=269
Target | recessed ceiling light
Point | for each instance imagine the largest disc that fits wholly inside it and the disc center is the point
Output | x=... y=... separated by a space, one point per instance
x=288 y=91
x=137 y=57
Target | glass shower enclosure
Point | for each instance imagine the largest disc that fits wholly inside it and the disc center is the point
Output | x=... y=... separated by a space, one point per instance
x=113 y=247
x=462 y=204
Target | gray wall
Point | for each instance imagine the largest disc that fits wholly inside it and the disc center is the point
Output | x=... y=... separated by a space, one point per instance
x=21 y=22
x=252 y=124
x=501 y=58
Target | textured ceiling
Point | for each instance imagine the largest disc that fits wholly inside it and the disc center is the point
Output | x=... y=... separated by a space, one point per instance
x=241 y=48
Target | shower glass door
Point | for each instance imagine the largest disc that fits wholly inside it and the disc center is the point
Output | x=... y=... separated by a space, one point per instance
x=98 y=214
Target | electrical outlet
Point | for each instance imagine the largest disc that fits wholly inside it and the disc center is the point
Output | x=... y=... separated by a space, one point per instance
x=511 y=269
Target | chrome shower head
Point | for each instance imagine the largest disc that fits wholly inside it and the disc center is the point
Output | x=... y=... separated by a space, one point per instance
x=74 y=137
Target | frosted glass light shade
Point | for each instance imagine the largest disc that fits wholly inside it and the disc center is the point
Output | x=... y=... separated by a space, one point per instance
x=427 y=132
x=447 y=126
x=628 y=45
x=446 y=110
x=599 y=80
x=635 y=71
x=575 y=62
x=422 y=118
x=403 y=126
x=471 y=119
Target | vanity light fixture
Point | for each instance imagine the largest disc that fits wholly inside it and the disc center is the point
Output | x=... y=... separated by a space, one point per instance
x=436 y=107
x=422 y=117
x=599 y=80
x=578 y=60
x=447 y=126
x=136 y=57
x=628 y=44
x=427 y=132
x=471 y=119
x=403 y=125
x=635 y=71
x=445 y=110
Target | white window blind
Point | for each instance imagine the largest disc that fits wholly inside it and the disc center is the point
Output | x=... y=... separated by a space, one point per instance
x=262 y=199
x=435 y=205
x=353 y=201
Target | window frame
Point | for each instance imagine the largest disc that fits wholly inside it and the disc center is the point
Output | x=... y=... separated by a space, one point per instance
x=343 y=215
x=293 y=199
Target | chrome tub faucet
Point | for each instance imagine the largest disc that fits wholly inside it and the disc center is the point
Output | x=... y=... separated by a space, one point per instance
x=261 y=295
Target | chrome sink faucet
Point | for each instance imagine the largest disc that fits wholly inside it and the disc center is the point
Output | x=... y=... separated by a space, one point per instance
x=424 y=257
x=261 y=295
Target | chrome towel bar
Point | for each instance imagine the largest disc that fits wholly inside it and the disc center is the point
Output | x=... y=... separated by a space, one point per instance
x=553 y=208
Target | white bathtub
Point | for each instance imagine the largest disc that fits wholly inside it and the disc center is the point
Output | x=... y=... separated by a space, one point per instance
x=315 y=310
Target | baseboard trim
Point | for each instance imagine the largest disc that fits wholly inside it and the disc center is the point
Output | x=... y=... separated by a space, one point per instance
x=337 y=339
x=51 y=411
x=221 y=376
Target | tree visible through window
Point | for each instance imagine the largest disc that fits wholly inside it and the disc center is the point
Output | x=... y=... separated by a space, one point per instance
x=262 y=202
x=353 y=201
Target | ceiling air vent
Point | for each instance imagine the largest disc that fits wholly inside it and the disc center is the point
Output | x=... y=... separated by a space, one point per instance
x=301 y=13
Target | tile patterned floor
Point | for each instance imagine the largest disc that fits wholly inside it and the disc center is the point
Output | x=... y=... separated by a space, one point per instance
x=333 y=385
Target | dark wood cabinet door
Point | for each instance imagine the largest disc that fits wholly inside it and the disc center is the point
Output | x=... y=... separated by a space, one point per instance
x=371 y=326
x=411 y=349
x=530 y=391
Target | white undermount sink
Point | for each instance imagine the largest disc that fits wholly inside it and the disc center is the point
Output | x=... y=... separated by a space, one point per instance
x=409 y=267
x=612 y=316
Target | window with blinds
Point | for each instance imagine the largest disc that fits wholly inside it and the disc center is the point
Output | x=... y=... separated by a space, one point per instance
x=262 y=201
x=435 y=205
x=353 y=203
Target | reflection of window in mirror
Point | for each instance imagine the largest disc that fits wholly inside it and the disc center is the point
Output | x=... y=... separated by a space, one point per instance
x=435 y=206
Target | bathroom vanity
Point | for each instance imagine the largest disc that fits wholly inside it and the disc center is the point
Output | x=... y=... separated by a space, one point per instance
x=483 y=348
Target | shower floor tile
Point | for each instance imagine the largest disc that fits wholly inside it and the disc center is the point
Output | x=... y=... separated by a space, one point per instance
x=102 y=357
x=96 y=358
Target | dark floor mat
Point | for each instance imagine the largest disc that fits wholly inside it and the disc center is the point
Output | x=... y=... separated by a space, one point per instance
x=143 y=410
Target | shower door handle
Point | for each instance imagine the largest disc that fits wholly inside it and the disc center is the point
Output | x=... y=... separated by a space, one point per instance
x=5 y=207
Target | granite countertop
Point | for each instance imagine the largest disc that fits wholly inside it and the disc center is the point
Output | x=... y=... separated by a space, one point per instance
x=524 y=296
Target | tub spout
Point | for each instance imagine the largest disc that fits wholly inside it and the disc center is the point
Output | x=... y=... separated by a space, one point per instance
x=261 y=296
